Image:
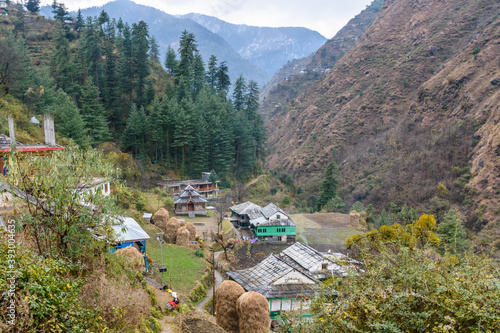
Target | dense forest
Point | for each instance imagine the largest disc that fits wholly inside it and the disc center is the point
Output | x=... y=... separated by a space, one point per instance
x=104 y=81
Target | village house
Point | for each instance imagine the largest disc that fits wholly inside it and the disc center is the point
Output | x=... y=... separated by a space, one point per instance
x=290 y=279
x=269 y=223
x=202 y=186
x=190 y=202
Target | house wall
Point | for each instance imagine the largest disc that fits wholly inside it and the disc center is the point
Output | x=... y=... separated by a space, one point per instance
x=293 y=277
x=289 y=304
x=275 y=231
x=278 y=216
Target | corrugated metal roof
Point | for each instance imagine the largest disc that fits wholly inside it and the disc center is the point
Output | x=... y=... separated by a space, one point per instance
x=129 y=230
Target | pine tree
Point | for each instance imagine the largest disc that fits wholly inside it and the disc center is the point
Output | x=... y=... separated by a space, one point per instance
x=80 y=22
x=141 y=68
x=223 y=81
x=59 y=11
x=452 y=234
x=93 y=114
x=198 y=75
x=171 y=61
x=212 y=72
x=64 y=69
x=154 y=50
x=239 y=92
x=134 y=135
x=329 y=185
x=67 y=119
x=126 y=67
x=92 y=42
x=33 y=6
x=183 y=135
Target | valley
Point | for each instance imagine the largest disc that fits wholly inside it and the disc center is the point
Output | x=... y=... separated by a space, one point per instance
x=343 y=184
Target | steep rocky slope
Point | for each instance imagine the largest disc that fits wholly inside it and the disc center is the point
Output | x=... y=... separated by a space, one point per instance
x=300 y=74
x=413 y=104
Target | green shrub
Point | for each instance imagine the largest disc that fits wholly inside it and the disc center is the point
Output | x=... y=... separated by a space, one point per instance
x=199 y=253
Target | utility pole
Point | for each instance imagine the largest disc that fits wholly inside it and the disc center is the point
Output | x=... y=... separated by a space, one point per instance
x=159 y=237
x=213 y=285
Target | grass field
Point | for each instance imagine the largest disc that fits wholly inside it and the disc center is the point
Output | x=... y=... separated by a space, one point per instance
x=324 y=231
x=184 y=268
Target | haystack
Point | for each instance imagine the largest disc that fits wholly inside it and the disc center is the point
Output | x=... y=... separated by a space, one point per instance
x=182 y=237
x=253 y=313
x=171 y=229
x=354 y=217
x=227 y=295
x=231 y=241
x=160 y=218
x=192 y=231
x=133 y=255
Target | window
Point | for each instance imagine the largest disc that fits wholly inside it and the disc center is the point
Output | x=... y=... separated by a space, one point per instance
x=278 y=217
x=324 y=266
x=279 y=238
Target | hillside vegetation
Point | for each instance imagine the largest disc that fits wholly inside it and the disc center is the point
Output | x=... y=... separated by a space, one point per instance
x=414 y=104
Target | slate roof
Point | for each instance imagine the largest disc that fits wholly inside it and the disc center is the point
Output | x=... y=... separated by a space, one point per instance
x=129 y=230
x=261 y=277
x=248 y=208
x=305 y=258
x=271 y=209
x=275 y=223
x=189 y=194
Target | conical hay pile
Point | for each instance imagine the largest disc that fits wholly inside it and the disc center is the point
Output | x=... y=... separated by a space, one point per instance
x=171 y=229
x=133 y=255
x=192 y=231
x=253 y=313
x=160 y=218
x=227 y=295
x=354 y=217
x=182 y=237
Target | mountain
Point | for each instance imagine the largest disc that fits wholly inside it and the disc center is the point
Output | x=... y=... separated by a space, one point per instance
x=254 y=52
x=267 y=48
x=414 y=104
x=298 y=75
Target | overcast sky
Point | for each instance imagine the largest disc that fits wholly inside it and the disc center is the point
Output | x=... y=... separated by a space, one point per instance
x=324 y=16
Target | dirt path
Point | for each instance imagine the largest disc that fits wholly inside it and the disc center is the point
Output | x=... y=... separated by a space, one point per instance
x=218 y=281
x=253 y=181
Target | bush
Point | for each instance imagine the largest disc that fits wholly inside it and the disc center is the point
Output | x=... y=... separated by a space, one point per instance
x=199 y=253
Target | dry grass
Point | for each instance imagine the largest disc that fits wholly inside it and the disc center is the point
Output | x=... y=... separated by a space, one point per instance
x=171 y=229
x=160 y=218
x=227 y=296
x=182 y=237
x=329 y=220
x=253 y=313
x=122 y=305
x=133 y=255
x=192 y=231
x=303 y=222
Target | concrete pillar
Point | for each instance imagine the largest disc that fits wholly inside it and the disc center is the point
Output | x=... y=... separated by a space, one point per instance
x=12 y=135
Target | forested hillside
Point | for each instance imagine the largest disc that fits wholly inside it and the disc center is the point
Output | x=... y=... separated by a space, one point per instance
x=410 y=114
x=102 y=81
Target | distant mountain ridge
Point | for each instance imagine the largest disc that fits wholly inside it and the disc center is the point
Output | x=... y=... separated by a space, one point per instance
x=254 y=52
x=265 y=47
